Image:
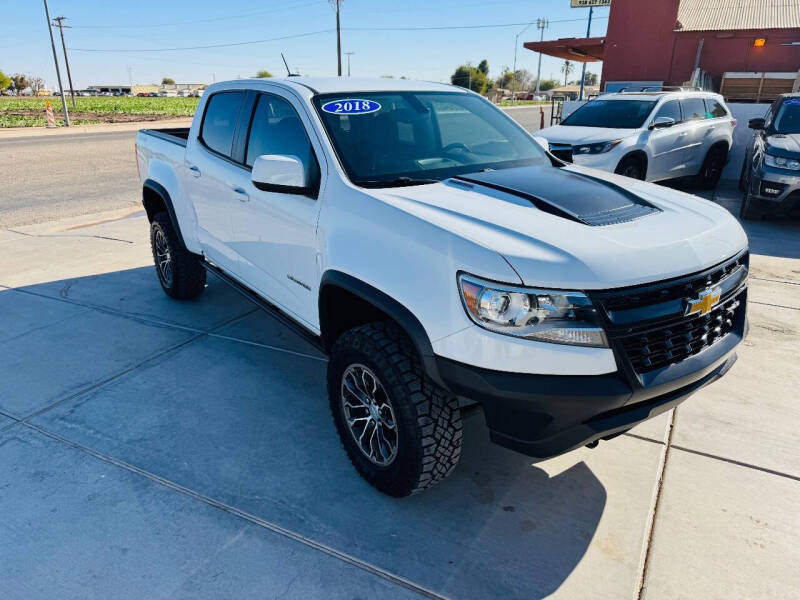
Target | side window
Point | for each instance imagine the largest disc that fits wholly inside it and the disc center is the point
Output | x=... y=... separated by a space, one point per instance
x=277 y=129
x=715 y=109
x=219 y=122
x=694 y=109
x=671 y=109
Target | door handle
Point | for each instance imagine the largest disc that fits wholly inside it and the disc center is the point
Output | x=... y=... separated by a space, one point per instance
x=243 y=196
x=684 y=134
x=195 y=170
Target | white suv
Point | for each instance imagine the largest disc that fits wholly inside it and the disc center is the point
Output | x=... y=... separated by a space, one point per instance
x=648 y=135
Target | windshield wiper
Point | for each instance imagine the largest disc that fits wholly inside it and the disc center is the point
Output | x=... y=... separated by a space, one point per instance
x=396 y=182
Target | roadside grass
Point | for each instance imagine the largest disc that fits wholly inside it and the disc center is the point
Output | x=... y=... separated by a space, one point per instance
x=29 y=112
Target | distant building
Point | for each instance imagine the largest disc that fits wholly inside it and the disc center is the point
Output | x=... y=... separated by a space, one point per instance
x=174 y=89
x=662 y=43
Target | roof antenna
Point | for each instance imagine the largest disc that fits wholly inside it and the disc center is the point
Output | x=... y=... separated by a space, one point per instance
x=288 y=72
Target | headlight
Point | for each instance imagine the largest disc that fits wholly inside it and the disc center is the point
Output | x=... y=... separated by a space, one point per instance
x=596 y=148
x=553 y=316
x=780 y=162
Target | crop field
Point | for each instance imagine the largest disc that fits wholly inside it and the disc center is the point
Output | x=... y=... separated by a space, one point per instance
x=29 y=112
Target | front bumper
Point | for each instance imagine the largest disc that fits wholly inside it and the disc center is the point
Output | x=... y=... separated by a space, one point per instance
x=776 y=191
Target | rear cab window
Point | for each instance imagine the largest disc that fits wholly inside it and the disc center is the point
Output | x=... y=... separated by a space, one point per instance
x=219 y=121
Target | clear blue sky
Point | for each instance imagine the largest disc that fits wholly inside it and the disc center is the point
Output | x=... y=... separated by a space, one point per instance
x=156 y=24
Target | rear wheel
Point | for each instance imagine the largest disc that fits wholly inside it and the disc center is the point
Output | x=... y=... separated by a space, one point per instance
x=631 y=166
x=180 y=272
x=400 y=430
x=712 y=167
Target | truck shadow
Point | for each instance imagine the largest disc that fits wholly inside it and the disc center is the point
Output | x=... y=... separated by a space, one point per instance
x=240 y=415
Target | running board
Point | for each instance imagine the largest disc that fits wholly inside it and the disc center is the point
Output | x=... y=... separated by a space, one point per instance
x=270 y=308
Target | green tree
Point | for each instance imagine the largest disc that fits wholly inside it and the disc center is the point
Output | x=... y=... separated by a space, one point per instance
x=19 y=82
x=263 y=74
x=590 y=78
x=168 y=81
x=467 y=76
x=548 y=84
x=5 y=81
x=566 y=69
x=483 y=67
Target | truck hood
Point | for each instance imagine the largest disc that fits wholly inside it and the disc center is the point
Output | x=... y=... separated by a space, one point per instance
x=563 y=134
x=786 y=145
x=577 y=228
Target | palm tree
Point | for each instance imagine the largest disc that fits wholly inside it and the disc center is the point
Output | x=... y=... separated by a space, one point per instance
x=566 y=69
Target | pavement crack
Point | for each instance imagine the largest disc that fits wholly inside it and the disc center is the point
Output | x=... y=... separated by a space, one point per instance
x=232 y=510
x=77 y=235
x=650 y=523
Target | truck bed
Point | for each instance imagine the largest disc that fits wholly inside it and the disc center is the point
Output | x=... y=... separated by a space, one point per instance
x=175 y=135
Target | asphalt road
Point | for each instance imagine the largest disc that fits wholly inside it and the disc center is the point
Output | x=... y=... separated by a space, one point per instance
x=46 y=178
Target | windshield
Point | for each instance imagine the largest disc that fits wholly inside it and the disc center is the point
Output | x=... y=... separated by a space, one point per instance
x=616 y=114
x=787 y=120
x=405 y=138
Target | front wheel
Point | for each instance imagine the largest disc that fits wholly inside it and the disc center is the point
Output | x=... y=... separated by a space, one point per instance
x=631 y=166
x=748 y=211
x=400 y=430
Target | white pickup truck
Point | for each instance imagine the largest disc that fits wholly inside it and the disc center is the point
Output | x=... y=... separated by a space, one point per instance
x=437 y=252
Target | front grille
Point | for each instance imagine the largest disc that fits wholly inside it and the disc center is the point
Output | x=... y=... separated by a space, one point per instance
x=663 y=346
x=562 y=151
x=647 y=323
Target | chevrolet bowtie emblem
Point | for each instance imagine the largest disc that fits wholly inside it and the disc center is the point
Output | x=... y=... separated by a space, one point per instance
x=705 y=302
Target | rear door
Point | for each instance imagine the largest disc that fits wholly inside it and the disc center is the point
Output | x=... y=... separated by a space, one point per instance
x=669 y=145
x=275 y=233
x=700 y=130
x=210 y=168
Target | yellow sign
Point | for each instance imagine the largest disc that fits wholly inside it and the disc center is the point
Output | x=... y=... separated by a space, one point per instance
x=588 y=3
x=706 y=301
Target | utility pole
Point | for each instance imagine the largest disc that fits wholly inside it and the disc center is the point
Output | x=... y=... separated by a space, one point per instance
x=55 y=59
x=130 y=77
x=337 y=3
x=540 y=24
x=514 y=71
x=59 y=22
x=583 y=71
x=349 y=54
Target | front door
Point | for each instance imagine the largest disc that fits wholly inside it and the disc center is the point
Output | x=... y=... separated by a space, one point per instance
x=275 y=233
x=669 y=144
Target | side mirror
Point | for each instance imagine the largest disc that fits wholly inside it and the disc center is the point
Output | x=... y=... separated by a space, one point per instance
x=756 y=123
x=276 y=173
x=662 y=122
x=542 y=142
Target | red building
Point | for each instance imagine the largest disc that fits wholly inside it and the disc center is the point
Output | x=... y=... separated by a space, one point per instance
x=662 y=40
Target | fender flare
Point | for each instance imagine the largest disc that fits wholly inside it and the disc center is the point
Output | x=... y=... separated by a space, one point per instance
x=388 y=305
x=161 y=191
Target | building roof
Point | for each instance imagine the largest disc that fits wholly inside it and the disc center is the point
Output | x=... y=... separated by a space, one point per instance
x=726 y=15
x=574 y=49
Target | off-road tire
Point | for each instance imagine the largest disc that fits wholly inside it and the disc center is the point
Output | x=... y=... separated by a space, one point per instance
x=631 y=166
x=188 y=278
x=711 y=171
x=428 y=418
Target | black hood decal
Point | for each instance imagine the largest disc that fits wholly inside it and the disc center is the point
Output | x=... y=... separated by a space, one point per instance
x=567 y=194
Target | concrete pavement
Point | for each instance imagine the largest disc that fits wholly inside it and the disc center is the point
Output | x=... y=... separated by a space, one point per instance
x=162 y=449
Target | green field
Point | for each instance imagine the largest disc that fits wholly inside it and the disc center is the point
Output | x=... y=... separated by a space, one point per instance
x=29 y=112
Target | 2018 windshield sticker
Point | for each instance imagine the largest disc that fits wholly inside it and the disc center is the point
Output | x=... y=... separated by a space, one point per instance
x=351 y=106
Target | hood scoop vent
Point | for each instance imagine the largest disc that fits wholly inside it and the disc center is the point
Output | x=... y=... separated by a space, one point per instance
x=567 y=194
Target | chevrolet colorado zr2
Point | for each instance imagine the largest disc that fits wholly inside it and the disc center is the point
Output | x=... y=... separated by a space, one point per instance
x=437 y=252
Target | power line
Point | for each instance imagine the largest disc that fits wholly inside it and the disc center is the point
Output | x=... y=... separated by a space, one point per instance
x=275 y=39
x=204 y=20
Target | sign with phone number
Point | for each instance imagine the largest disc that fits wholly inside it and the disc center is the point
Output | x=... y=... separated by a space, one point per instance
x=586 y=3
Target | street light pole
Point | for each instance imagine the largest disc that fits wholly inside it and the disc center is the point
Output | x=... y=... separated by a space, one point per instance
x=514 y=71
x=55 y=59
x=540 y=24
x=349 y=54
x=583 y=71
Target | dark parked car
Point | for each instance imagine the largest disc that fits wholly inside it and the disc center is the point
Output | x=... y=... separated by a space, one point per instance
x=770 y=179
